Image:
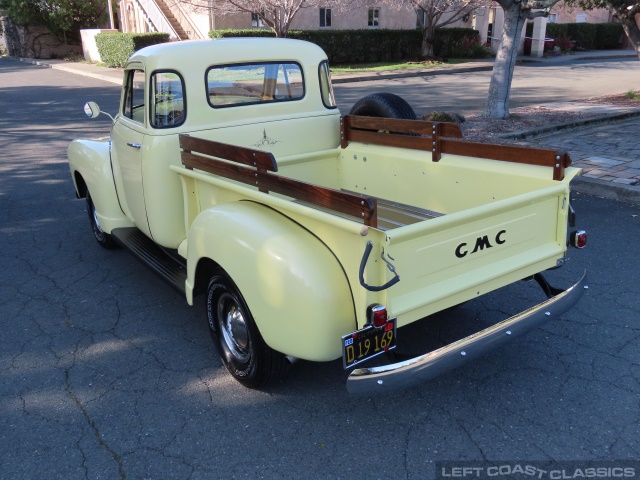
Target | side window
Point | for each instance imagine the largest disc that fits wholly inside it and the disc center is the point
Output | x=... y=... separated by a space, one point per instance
x=325 y=86
x=133 y=106
x=233 y=85
x=167 y=102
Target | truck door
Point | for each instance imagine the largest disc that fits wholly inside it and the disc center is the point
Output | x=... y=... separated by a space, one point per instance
x=128 y=147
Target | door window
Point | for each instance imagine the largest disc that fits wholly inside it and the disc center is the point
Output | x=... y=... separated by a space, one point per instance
x=133 y=105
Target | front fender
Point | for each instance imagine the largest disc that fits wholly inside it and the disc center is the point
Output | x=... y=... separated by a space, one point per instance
x=90 y=165
x=294 y=286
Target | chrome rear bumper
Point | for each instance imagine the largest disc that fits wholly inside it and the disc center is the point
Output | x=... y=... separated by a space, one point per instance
x=401 y=375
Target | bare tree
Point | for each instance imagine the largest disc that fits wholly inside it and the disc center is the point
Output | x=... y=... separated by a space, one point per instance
x=275 y=14
x=516 y=12
x=434 y=14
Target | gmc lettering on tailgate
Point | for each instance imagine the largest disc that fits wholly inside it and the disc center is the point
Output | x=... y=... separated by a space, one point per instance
x=481 y=243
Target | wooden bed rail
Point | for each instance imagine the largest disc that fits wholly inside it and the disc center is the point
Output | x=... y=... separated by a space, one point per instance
x=439 y=138
x=558 y=160
x=254 y=167
x=393 y=132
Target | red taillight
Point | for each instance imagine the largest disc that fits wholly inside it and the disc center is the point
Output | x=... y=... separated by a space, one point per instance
x=578 y=239
x=379 y=316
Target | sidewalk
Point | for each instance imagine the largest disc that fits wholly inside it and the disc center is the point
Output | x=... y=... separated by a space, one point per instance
x=612 y=172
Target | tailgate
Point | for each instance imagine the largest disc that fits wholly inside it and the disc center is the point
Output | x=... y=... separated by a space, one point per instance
x=451 y=259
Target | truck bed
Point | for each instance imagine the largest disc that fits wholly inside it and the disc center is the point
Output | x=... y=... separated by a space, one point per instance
x=454 y=226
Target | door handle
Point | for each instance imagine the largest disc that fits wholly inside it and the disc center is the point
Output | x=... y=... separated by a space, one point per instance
x=135 y=145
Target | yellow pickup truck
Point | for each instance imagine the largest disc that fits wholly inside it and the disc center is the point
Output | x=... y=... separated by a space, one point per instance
x=316 y=236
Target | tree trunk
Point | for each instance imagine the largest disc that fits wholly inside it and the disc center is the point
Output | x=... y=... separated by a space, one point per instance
x=497 y=105
x=427 y=43
x=631 y=28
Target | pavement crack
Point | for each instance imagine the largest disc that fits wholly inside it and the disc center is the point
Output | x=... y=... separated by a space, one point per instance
x=92 y=425
x=470 y=437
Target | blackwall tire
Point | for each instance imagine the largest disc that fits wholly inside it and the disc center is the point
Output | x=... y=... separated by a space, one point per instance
x=241 y=348
x=384 y=105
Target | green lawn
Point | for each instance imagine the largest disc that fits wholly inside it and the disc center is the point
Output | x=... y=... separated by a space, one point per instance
x=384 y=66
x=633 y=95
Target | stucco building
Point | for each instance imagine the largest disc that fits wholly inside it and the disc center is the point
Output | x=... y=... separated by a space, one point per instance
x=182 y=20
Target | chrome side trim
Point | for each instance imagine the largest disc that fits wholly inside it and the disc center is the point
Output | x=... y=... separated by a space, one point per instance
x=401 y=375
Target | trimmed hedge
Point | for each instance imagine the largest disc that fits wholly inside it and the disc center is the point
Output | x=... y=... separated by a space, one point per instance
x=588 y=36
x=247 y=32
x=609 y=35
x=348 y=46
x=116 y=48
x=584 y=34
x=456 y=42
x=554 y=30
x=366 y=46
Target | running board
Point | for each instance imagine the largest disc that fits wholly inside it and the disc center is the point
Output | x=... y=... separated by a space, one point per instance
x=152 y=255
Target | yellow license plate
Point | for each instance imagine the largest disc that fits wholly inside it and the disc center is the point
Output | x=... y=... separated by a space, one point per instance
x=367 y=343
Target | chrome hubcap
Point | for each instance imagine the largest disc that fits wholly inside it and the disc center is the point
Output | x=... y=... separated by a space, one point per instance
x=234 y=328
x=95 y=221
x=97 y=229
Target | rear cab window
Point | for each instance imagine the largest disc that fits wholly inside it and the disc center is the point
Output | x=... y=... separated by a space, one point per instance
x=167 y=99
x=254 y=83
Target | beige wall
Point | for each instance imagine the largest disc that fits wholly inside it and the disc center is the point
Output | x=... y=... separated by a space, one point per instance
x=566 y=14
x=309 y=19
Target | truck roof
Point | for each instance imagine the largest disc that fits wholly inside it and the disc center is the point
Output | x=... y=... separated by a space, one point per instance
x=227 y=51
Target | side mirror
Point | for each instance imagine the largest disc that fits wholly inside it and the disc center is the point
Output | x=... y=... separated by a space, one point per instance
x=91 y=109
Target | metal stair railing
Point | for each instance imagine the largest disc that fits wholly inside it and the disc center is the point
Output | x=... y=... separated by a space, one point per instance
x=155 y=19
x=183 y=18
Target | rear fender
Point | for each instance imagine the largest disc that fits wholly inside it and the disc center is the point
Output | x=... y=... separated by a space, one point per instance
x=90 y=164
x=294 y=286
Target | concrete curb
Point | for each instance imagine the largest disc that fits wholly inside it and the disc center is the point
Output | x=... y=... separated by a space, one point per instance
x=535 y=132
x=75 y=71
x=409 y=74
x=575 y=58
x=610 y=190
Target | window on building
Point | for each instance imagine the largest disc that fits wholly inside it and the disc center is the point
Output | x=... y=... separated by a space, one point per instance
x=325 y=17
x=422 y=18
x=256 y=21
x=581 y=17
x=553 y=18
x=374 y=17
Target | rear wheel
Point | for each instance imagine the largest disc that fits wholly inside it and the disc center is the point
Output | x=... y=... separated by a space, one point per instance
x=386 y=105
x=241 y=347
x=102 y=237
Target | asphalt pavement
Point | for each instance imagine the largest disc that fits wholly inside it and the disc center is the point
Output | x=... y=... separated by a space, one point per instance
x=610 y=162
